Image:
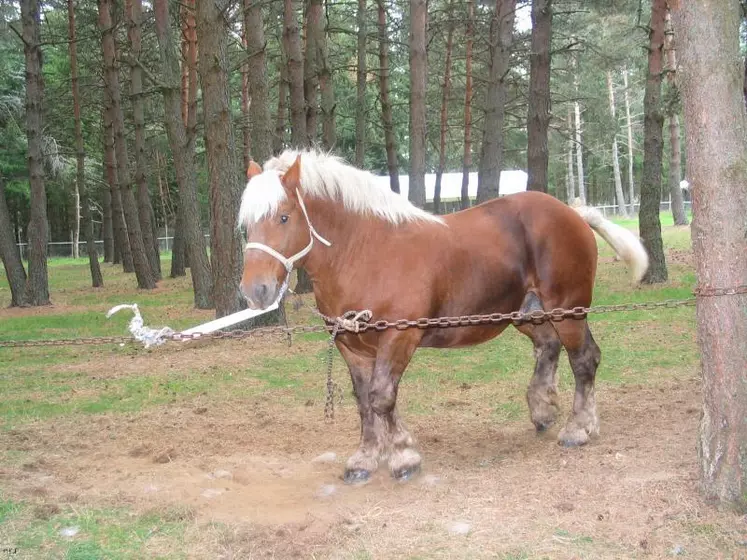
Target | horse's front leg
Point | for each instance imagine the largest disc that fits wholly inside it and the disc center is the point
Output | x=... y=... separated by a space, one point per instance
x=383 y=434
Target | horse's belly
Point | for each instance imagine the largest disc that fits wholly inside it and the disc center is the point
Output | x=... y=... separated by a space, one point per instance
x=459 y=337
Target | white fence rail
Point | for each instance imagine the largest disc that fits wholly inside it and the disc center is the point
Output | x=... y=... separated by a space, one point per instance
x=64 y=249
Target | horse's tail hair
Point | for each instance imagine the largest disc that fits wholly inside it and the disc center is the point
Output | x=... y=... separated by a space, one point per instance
x=625 y=243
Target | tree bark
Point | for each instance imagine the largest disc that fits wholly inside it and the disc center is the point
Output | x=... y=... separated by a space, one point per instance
x=360 y=87
x=143 y=272
x=629 y=127
x=491 y=156
x=418 y=85
x=579 y=146
x=133 y=16
x=390 y=140
x=97 y=279
x=326 y=88
x=190 y=228
x=446 y=88
x=311 y=67
x=259 y=110
x=708 y=36
x=570 y=176
x=467 y=156
x=672 y=106
x=37 y=281
x=10 y=254
x=178 y=247
x=653 y=121
x=190 y=35
x=225 y=177
x=538 y=114
x=622 y=209
x=107 y=229
x=281 y=117
x=245 y=104
x=121 y=239
x=294 y=57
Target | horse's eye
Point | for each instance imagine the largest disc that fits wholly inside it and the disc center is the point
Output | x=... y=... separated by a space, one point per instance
x=283 y=219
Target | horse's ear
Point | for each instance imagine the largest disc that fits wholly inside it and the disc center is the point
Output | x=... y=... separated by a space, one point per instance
x=253 y=169
x=292 y=178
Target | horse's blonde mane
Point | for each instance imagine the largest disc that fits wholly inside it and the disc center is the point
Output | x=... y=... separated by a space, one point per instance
x=328 y=177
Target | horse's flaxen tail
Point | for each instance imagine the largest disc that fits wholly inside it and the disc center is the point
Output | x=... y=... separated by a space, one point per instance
x=625 y=243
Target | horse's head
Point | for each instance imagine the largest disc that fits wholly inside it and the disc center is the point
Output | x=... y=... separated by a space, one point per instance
x=278 y=232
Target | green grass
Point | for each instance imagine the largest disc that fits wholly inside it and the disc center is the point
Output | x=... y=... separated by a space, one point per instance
x=114 y=533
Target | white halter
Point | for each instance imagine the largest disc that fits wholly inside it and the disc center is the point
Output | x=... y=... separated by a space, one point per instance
x=288 y=262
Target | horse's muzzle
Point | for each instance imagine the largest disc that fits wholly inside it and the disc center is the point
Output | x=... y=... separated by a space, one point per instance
x=260 y=295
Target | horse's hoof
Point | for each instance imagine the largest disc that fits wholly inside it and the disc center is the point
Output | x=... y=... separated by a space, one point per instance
x=406 y=473
x=543 y=426
x=568 y=443
x=356 y=476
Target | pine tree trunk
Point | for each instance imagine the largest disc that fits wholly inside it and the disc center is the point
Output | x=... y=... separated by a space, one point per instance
x=390 y=139
x=538 y=114
x=259 y=111
x=121 y=245
x=579 y=146
x=133 y=15
x=190 y=34
x=622 y=209
x=446 y=87
x=143 y=272
x=10 y=254
x=294 y=57
x=245 y=103
x=360 y=91
x=178 y=247
x=418 y=86
x=570 y=185
x=261 y=124
x=225 y=177
x=672 y=106
x=708 y=43
x=653 y=121
x=191 y=239
x=281 y=117
x=107 y=229
x=329 y=130
x=491 y=156
x=467 y=156
x=37 y=281
x=80 y=156
x=629 y=127
x=311 y=67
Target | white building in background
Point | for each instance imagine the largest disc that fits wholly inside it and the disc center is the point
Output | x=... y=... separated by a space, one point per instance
x=512 y=181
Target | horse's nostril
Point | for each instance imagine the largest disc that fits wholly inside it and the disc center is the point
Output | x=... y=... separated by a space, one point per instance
x=260 y=292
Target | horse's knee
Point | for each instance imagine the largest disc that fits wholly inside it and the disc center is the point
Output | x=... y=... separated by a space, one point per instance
x=383 y=395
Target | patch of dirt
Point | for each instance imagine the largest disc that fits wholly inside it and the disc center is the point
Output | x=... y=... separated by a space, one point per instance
x=247 y=465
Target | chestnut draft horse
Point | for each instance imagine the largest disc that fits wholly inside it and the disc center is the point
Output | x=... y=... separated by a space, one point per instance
x=366 y=247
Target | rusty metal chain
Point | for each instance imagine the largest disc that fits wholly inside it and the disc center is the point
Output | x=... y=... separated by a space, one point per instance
x=356 y=323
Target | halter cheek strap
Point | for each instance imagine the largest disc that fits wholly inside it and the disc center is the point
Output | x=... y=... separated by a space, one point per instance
x=288 y=262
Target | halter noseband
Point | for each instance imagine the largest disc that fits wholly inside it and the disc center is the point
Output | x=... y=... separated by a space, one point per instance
x=288 y=262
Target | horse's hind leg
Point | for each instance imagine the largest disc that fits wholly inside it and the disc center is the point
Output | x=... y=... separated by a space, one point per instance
x=542 y=393
x=584 y=356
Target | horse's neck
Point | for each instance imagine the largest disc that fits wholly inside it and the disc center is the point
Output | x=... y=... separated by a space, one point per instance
x=349 y=233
